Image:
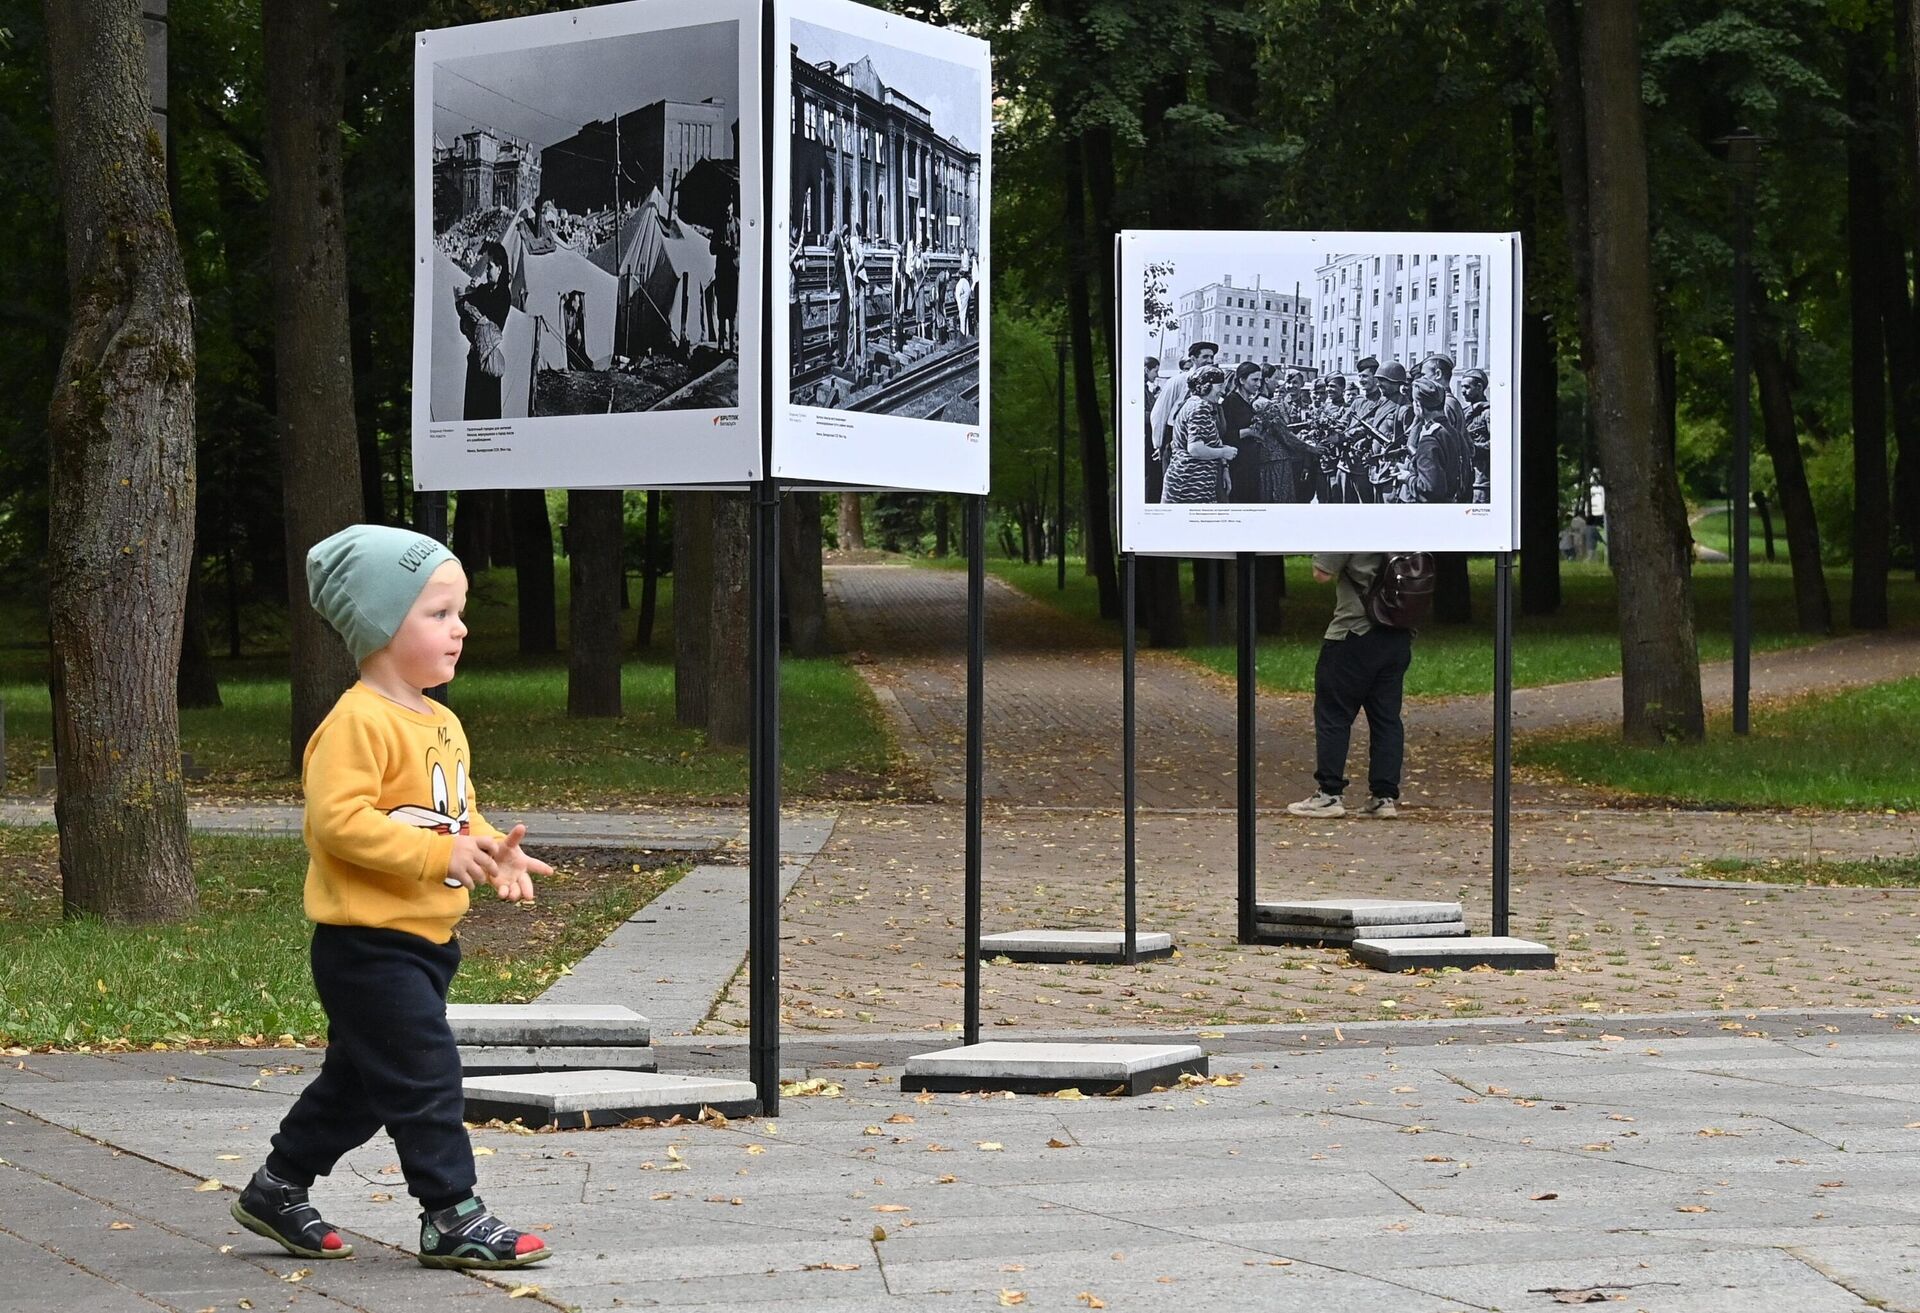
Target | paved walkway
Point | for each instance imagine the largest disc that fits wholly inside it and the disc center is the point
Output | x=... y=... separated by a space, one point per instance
x=1666 y=1164
x=1053 y=703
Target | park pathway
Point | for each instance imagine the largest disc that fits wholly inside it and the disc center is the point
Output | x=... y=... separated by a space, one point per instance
x=1053 y=703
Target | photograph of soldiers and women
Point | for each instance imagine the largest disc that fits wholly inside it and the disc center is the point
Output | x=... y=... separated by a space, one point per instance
x=1358 y=378
x=586 y=218
x=884 y=246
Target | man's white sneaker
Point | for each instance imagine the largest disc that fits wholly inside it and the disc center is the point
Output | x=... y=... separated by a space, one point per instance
x=1384 y=809
x=1320 y=804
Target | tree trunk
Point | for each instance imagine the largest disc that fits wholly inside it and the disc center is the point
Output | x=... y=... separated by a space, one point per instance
x=473 y=531
x=942 y=527
x=729 y=653
x=1453 y=589
x=1269 y=595
x=373 y=498
x=1096 y=493
x=1569 y=110
x=649 y=573
x=1158 y=579
x=595 y=530
x=1540 y=378
x=1866 y=228
x=693 y=601
x=1813 y=610
x=197 y=685
x=500 y=528
x=852 y=532
x=313 y=370
x=533 y=569
x=1903 y=372
x=1646 y=518
x=121 y=489
x=803 y=589
x=1764 y=508
x=1907 y=25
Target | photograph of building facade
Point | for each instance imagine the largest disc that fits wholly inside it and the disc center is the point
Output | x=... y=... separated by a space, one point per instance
x=482 y=170
x=1264 y=325
x=1403 y=306
x=657 y=147
x=883 y=229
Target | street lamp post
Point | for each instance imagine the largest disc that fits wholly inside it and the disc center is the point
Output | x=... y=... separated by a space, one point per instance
x=1743 y=153
x=1060 y=478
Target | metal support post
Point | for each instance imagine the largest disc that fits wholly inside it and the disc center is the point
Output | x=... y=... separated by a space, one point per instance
x=1248 y=876
x=976 y=669
x=1502 y=738
x=763 y=806
x=1129 y=650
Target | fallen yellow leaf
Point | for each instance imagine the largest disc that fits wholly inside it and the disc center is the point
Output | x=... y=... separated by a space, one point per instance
x=1011 y=1298
x=209 y=1184
x=521 y=1292
x=120 y=1226
x=1090 y=1299
x=989 y=1146
x=1058 y=1144
x=482 y=1151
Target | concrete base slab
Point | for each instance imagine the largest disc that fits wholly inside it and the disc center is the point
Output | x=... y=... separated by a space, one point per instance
x=1305 y=933
x=1500 y=951
x=546 y=1025
x=1043 y=1068
x=1358 y=911
x=1075 y=945
x=509 y=1059
x=568 y=1099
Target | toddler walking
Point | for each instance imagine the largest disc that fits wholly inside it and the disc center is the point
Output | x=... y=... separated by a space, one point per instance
x=395 y=843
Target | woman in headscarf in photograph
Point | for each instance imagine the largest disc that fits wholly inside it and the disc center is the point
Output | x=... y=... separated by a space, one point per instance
x=483 y=308
x=1197 y=457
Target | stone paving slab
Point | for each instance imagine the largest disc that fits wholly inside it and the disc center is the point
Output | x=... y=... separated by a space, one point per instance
x=1501 y=952
x=1303 y=1157
x=502 y=1060
x=1074 y=945
x=569 y=1099
x=547 y=1023
x=1348 y=913
x=1306 y=933
x=1044 y=1068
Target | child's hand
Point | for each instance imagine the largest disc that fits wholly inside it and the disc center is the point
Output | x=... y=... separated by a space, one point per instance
x=514 y=868
x=472 y=861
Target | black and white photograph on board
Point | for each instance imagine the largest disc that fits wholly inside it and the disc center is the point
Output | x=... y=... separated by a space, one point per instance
x=1281 y=386
x=586 y=221
x=587 y=192
x=884 y=238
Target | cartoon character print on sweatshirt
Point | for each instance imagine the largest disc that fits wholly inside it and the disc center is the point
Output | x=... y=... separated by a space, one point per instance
x=451 y=809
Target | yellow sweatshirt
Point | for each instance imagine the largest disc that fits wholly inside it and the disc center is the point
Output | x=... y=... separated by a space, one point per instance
x=387 y=789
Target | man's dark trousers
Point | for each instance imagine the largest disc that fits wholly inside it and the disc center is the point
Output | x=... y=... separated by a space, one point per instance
x=1361 y=672
x=391 y=1061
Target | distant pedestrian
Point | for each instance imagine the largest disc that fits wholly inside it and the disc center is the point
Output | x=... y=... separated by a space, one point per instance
x=396 y=840
x=1362 y=667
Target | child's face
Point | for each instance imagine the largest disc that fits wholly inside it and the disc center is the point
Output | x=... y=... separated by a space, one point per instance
x=427 y=647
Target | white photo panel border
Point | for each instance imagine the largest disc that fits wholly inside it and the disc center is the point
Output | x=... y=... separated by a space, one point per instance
x=815 y=444
x=655 y=448
x=1200 y=260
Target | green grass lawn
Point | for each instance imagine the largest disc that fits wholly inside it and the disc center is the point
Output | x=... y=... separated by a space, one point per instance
x=1850 y=751
x=1581 y=641
x=237 y=972
x=1873 y=873
x=529 y=753
x=1713 y=530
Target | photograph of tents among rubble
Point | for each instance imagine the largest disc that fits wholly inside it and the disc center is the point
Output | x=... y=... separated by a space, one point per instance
x=586 y=227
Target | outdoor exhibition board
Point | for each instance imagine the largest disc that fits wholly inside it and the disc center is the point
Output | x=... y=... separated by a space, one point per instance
x=612 y=156
x=633 y=271
x=882 y=190
x=1395 y=462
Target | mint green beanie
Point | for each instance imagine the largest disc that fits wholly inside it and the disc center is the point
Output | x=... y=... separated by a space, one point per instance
x=366 y=578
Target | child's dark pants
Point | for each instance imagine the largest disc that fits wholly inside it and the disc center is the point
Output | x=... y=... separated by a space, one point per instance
x=391 y=1061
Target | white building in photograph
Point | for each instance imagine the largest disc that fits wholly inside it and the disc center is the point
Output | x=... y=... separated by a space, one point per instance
x=1249 y=323
x=1401 y=307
